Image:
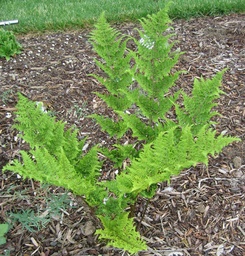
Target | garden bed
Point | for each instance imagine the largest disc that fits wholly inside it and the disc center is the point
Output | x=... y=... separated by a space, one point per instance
x=201 y=212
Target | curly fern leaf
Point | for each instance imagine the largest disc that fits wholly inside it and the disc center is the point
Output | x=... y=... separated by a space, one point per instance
x=197 y=109
x=110 y=45
x=120 y=232
x=167 y=155
x=154 y=58
x=154 y=61
x=40 y=129
x=44 y=167
x=208 y=143
x=57 y=170
x=37 y=126
x=56 y=155
x=157 y=23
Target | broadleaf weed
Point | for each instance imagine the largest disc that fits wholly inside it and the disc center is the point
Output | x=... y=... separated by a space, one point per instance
x=8 y=44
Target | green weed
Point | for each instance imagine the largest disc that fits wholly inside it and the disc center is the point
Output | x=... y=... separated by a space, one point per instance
x=8 y=45
x=29 y=220
x=4 y=227
x=57 y=203
x=6 y=95
x=36 y=219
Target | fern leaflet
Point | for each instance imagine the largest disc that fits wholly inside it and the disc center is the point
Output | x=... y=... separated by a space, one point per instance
x=115 y=231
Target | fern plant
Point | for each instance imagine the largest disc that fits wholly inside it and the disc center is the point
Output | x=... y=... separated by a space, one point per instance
x=168 y=146
x=55 y=154
x=138 y=89
x=56 y=157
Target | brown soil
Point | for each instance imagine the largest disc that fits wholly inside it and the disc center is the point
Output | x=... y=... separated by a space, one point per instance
x=200 y=213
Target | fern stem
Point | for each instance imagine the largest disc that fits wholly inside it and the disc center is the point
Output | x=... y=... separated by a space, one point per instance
x=143 y=214
x=133 y=208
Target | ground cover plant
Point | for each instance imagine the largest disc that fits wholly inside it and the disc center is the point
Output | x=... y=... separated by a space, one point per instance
x=34 y=15
x=4 y=227
x=186 y=141
x=8 y=44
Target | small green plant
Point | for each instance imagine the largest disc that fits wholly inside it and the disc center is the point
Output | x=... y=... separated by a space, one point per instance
x=4 y=228
x=57 y=203
x=8 y=44
x=6 y=95
x=79 y=111
x=29 y=220
x=138 y=87
x=6 y=253
x=34 y=220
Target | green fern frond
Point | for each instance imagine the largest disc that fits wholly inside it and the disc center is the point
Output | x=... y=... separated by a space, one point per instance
x=116 y=102
x=120 y=153
x=154 y=58
x=207 y=142
x=113 y=128
x=44 y=167
x=155 y=24
x=89 y=165
x=110 y=45
x=197 y=110
x=56 y=155
x=39 y=129
x=120 y=232
x=167 y=155
x=140 y=129
x=155 y=64
x=37 y=126
x=57 y=170
x=72 y=147
x=154 y=61
x=102 y=36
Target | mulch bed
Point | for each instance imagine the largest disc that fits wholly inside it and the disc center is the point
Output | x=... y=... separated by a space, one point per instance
x=201 y=212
